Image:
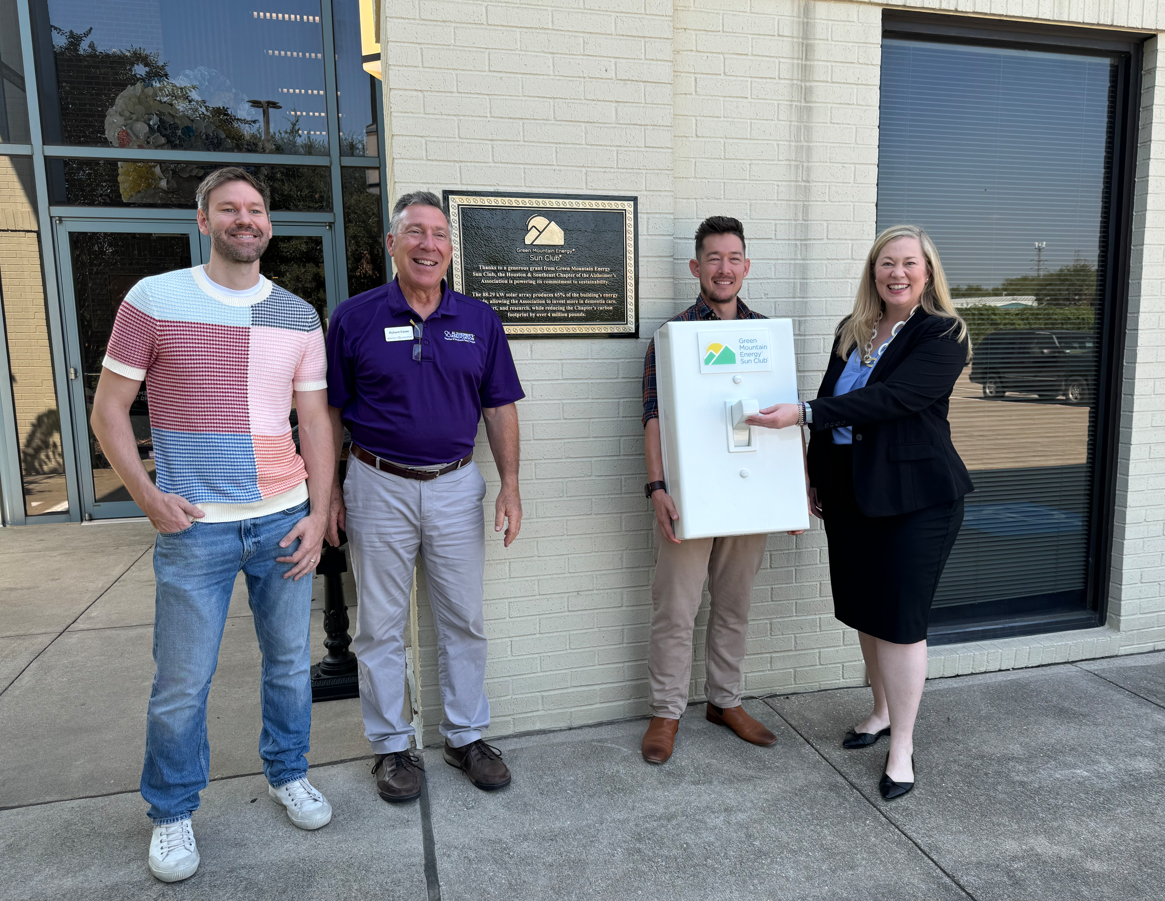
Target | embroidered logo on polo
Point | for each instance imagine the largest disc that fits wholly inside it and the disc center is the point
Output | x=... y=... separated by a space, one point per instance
x=466 y=337
x=716 y=354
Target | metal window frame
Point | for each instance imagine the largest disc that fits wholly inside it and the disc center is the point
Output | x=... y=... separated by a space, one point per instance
x=1127 y=50
x=39 y=77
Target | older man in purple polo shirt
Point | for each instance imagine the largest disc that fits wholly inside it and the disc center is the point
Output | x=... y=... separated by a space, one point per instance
x=412 y=367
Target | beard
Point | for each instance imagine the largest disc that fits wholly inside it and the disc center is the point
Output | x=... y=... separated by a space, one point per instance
x=228 y=251
x=716 y=293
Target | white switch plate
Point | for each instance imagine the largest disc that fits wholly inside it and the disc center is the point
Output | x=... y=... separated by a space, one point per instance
x=696 y=394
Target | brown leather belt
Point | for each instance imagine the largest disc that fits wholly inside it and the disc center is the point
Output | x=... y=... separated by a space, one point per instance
x=421 y=475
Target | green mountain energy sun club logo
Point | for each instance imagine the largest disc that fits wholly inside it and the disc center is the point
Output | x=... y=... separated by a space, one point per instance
x=716 y=354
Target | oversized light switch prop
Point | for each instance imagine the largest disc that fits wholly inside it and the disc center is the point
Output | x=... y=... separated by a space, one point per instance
x=725 y=476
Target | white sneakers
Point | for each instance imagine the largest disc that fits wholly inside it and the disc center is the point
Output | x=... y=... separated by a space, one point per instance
x=306 y=807
x=173 y=853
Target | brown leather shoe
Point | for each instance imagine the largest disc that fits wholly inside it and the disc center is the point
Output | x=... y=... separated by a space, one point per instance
x=659 y=739
x=400 y=776
x=741 y=723
x=482 y=763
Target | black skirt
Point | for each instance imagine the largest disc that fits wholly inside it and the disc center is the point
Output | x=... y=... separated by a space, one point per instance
x=884 y=569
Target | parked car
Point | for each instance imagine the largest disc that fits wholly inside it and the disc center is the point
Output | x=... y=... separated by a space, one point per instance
x=1046 y=363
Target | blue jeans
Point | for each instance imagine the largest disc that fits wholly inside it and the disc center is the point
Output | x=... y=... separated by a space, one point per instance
x=196 y=572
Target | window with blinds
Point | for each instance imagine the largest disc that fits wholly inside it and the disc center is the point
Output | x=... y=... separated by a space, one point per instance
x=1005 y=155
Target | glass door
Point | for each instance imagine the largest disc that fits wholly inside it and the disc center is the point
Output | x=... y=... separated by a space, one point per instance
x=100 y=261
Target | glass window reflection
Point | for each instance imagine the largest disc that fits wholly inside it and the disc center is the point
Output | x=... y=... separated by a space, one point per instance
x=80 y=182
x=38 y=421
x=1005 y=157
x=363 y=229
x=296 y=263
x=209 y=76
x=356 y=92
x=13 y=99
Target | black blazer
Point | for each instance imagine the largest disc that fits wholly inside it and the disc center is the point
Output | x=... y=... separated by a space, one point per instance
x=903 y=456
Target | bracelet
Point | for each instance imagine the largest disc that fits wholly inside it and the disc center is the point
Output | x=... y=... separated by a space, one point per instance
x=800 y=413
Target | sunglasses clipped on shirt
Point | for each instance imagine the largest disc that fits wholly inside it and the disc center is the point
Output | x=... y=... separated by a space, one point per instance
x=418 y=333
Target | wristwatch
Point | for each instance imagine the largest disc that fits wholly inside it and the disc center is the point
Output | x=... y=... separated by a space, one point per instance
x=652 y=487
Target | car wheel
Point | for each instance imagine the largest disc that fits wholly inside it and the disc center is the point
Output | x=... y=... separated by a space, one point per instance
x=992 y=387
x=1077 y=391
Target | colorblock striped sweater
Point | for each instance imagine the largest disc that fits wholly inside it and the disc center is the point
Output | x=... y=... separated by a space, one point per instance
x=220 y=368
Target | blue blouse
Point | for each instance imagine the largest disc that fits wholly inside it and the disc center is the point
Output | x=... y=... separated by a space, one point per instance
x=854 y=376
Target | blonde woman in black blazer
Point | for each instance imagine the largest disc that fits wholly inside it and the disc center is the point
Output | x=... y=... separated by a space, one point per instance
x=885 y=477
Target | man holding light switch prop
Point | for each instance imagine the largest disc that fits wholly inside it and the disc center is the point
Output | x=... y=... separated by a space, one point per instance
x=718 y=484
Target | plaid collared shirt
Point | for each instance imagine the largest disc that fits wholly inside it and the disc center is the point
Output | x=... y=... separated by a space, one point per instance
x=697 y=311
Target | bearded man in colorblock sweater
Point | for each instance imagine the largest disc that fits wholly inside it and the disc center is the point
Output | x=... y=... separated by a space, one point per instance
x=222 y=352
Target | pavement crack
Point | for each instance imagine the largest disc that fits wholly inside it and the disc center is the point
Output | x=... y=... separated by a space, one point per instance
x=1135 y=694
x=432 y=877
x=136 y=791
x=882 y=813
x=88 y=607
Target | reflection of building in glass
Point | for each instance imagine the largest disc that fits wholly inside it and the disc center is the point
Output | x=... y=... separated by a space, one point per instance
x=189 y=71
x=38 y=424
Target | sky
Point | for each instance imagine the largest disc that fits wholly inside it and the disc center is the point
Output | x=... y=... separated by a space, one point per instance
x=992 y=150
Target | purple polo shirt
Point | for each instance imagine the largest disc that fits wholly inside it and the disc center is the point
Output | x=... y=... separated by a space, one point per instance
x=424 y=412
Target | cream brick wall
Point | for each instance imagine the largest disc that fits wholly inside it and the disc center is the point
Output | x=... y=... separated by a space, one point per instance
x=763 y=109
x=1137 y=606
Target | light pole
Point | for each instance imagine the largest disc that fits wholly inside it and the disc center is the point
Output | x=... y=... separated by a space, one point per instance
x=1040 y=245
x=266 y=106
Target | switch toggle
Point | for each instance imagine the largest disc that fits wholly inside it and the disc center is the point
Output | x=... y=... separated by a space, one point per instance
x=741 y=436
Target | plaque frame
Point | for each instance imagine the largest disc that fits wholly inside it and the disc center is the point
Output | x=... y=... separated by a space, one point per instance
x=455 y=201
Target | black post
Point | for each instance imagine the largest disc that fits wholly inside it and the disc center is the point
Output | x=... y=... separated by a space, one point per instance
x=334 y=677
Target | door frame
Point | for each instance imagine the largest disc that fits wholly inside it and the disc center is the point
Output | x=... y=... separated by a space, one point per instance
x=67 y=220
x=63 y=228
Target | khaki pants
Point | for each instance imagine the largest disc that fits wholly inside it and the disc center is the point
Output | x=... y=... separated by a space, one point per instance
x=390 y=520
x=729 y=565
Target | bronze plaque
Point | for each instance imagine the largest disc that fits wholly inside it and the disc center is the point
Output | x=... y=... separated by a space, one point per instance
x=552 y=266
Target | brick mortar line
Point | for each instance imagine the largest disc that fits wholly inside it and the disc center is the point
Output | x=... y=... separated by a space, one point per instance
x=882 y=813
x=73 y=622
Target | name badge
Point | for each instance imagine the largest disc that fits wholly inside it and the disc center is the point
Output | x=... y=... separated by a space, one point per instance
x=400 y=333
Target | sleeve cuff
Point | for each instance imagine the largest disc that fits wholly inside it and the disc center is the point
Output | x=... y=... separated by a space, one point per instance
x=310 y=386
x=503 y=402
x=129 y=372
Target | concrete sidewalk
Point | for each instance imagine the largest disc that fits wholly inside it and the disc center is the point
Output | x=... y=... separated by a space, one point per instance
x=1037 y=783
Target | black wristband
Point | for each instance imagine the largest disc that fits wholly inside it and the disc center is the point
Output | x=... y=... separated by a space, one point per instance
x=651 y=487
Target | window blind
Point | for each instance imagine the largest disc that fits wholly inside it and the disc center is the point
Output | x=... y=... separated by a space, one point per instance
x=1004 y=156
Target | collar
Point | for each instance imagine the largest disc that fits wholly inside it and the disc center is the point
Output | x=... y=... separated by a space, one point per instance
x=398 y=306
x=259 y=293
x=704 y=311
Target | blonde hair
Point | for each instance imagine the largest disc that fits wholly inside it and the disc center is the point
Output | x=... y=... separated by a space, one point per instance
x=936 y=296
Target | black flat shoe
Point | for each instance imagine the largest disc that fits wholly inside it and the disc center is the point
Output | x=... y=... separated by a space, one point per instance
x=854 y=740
x=891 y=789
